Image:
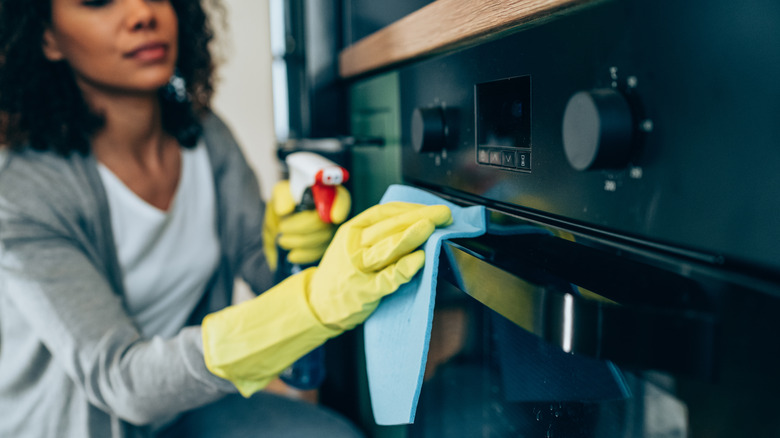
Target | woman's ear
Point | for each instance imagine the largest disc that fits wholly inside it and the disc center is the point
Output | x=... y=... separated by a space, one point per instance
x=51 y=48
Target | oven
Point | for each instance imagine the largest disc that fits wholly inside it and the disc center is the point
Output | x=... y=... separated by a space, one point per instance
x=627 y=286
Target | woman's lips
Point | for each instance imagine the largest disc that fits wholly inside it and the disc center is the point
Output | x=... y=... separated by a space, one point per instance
x=149 y=52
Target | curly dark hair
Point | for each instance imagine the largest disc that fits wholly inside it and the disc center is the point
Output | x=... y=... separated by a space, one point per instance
x=41 y=105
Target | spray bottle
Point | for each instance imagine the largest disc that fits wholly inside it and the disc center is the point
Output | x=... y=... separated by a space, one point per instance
x=313 y=181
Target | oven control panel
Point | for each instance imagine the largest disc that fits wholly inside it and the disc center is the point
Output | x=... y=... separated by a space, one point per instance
x=503 y=123
x=603 y=120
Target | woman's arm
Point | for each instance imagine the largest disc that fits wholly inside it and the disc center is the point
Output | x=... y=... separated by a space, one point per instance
x=55 y=280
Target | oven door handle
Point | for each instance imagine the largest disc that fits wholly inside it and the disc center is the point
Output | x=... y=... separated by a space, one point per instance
x=635 y=336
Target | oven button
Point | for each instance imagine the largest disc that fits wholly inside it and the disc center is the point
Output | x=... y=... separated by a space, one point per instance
x=483 y=156
x=597 y=130
x=524 y=160
x=496 y=157
x=428 y=129
x=509 y=159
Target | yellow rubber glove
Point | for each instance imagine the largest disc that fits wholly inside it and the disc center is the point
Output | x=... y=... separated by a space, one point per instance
x=251 y=343
x=303 y=234
x=370 y=256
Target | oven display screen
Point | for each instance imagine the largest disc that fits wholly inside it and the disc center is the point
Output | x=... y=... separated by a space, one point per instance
x=503 y=118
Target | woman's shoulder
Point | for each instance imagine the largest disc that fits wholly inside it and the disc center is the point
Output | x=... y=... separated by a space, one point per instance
x=222 y=146
x=33 y=165
x=213 y=123
x=31 y=179
x=216 y=131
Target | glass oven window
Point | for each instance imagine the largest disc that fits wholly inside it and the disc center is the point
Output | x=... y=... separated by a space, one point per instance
x=487 y=377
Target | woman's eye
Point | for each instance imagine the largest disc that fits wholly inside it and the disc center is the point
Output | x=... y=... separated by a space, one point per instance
x=95 y=3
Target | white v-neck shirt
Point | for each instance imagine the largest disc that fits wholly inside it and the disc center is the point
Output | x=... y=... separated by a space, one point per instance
x=166 y=257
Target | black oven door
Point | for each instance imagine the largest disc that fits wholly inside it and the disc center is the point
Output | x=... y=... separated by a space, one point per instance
x=542 y=334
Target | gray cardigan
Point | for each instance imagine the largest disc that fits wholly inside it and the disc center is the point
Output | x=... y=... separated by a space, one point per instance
x=72 y=363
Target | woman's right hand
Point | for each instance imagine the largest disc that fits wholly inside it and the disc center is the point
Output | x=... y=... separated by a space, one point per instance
x=371 y=256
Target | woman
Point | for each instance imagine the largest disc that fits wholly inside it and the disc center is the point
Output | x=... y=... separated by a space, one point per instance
x=126 y=213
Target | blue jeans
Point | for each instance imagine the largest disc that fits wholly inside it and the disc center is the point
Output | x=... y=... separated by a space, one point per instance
x=262 y=415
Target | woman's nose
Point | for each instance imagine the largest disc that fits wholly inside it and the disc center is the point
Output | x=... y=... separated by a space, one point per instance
x=140 y=14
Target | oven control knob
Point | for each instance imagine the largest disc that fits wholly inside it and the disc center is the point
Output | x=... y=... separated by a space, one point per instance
x=597 y=130
x=428 y=129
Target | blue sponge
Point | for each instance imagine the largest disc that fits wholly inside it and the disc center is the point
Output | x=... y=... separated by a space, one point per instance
x=398 y=332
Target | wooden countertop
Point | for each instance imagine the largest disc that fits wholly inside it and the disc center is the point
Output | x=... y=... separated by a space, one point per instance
x=442 y=26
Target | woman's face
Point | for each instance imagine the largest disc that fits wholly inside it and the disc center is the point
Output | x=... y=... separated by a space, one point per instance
x=114 y=46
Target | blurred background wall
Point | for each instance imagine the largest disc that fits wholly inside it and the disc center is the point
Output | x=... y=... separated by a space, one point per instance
x=244 y=87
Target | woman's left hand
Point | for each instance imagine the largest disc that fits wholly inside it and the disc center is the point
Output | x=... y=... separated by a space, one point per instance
x=301 y=233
